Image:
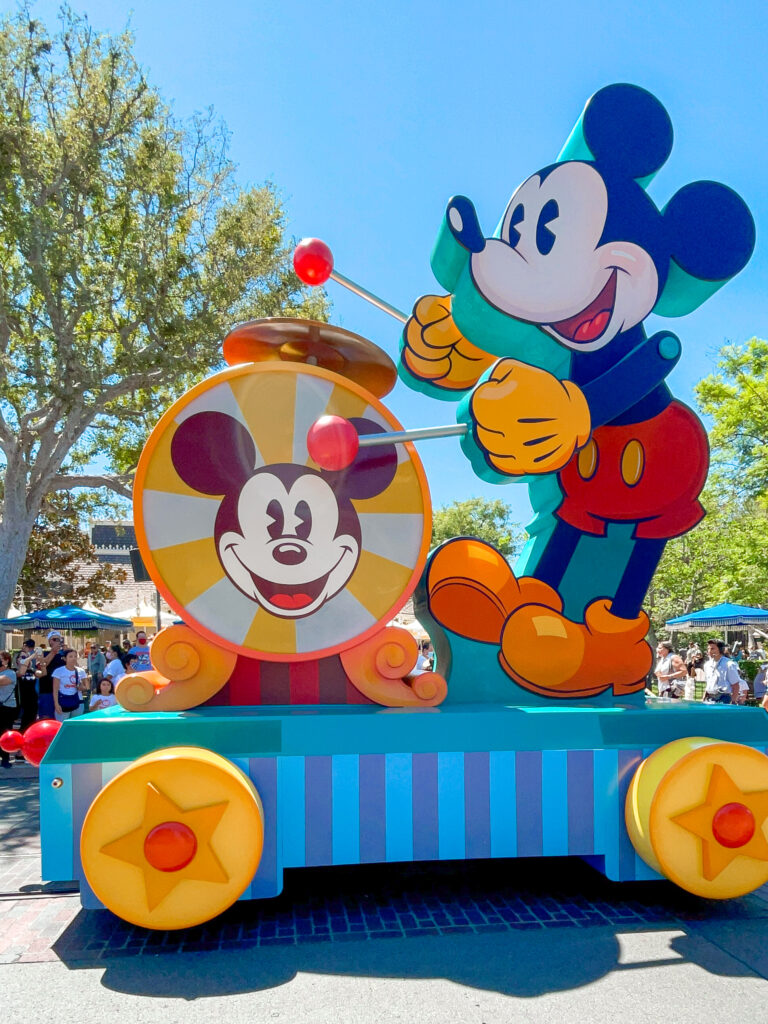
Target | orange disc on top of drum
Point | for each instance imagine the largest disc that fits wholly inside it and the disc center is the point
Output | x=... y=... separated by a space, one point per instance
x=288 y=339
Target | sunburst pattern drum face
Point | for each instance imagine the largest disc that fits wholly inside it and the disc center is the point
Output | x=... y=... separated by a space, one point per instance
x=255 y=546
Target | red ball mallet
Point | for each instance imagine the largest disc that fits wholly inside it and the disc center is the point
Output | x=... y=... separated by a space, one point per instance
x=11 y=742
x=333 y=442
x=313 y=263
x=37 y=738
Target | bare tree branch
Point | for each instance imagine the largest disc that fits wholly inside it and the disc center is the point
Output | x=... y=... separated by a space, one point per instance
x=119 y=484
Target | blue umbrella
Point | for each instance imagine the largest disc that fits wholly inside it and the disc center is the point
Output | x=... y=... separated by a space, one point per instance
x=68 y=617
x=727 y=616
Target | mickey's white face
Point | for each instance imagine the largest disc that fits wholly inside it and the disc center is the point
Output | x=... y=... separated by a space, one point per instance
x=288 y=557
x=549 y=269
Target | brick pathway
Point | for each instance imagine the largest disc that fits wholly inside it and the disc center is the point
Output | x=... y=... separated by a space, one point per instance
x=39 y=923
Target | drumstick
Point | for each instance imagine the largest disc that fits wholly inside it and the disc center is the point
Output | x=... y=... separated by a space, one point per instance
x=313 y=263
x=333 y=442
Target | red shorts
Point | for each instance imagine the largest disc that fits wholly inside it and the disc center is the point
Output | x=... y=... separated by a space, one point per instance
x=648 y=473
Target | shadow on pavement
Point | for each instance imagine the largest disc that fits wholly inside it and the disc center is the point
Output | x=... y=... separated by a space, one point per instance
x=20 y=814
x=560 y=926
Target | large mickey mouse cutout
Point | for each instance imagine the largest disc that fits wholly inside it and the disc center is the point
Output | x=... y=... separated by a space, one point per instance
x=544 y=322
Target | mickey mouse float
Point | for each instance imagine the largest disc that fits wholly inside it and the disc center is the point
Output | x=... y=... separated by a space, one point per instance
x=284 y=513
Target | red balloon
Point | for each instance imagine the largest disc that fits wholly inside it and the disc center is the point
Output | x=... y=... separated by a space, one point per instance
x=333 y=442
x=10 y=741
x=312 y=261
x=37 y=738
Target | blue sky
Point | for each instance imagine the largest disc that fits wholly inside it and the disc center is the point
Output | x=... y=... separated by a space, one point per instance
x=369 y=117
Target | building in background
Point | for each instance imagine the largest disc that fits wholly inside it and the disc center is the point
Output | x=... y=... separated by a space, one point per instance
x=113 y=540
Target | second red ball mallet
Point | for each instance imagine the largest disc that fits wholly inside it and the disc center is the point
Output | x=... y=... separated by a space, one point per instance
x=313 y=263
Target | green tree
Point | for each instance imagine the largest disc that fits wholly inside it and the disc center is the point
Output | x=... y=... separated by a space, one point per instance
x=489 y=520
x=724 y=558
x=736 y=397
x=61 y=565
x=126 y=254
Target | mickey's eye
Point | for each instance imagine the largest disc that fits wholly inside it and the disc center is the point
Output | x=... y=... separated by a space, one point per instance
x=545 y=238
x=304 y=515
x=518 y=214
x=275 y=512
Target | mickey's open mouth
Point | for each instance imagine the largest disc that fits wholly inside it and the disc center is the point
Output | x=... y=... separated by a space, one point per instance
x=590 y=323
x=289 y=595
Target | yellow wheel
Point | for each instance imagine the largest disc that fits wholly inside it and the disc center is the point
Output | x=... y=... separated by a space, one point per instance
x=697 y=812
x=174 y=839
x=257 y=549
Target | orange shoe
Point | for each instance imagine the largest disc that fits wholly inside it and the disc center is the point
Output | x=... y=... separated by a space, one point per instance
x=549 y=654
x=472 y=590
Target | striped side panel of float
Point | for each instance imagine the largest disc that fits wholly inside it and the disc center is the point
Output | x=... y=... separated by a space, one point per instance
x=371 y=808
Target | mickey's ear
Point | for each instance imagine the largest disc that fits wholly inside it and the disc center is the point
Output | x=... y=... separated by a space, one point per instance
x=213 y=453
x=624 y=128
x=711 y=234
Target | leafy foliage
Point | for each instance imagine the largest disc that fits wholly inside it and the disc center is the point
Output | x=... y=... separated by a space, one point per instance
x=489 y=520
x=736 y=397
x=126 y=254
x=723 y=559
x=61 y=565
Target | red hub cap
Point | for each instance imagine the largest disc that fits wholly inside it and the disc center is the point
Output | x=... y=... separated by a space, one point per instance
x=170 y=846
x=733 y=825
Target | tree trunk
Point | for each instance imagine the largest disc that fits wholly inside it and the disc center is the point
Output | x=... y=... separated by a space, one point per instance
x=16 y=524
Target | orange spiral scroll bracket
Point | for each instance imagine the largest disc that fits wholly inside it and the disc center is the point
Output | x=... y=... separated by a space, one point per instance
x=379 y=669
x=188 y=671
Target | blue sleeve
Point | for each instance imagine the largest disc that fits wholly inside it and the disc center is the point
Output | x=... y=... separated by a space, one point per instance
x=632 y=378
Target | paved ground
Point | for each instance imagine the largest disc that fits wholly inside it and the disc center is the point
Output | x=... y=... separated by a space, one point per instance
x=479 y=942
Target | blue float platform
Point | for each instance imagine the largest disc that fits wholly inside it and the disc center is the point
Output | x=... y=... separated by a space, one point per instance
x=344 y=785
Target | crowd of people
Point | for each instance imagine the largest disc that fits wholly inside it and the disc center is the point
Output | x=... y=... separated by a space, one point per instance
x=720 y=673
x=52 y=683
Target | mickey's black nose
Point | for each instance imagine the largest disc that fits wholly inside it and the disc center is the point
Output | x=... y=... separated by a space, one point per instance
x=464 y=225
x=289 y=554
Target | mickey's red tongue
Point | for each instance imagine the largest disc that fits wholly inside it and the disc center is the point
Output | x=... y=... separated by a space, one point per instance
x=593 y=328
x=593 y=320
x=291 y=600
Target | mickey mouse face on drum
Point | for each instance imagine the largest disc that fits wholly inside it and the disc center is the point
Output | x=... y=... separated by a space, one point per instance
x=287 y=536
x=290 y=548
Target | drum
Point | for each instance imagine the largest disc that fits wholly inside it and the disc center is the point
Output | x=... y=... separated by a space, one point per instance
x=256 y=547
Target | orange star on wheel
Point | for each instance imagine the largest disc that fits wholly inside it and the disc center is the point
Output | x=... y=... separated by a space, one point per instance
x=729 y=823
x=171 y=845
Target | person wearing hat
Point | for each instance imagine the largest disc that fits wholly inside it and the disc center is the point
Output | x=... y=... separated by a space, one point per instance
x=28 y=673
x=52 y=660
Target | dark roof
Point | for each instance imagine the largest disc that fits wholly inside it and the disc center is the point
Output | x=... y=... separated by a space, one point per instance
x=113 y=535
x=113 y=557
x=127 y=595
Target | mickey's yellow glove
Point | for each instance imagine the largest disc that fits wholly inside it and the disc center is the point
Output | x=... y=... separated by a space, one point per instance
x=434 y=349
x=527 y=420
